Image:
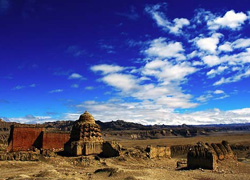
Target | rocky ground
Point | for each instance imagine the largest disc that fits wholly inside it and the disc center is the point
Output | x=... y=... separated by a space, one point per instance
x=126 y=168
x=133 y=165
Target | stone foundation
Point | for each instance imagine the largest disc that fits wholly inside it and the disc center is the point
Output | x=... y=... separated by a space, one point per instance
x=20 y=156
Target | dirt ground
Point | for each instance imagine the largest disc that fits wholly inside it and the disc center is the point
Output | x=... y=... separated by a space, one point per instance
x=231 y=137
x=127 y=167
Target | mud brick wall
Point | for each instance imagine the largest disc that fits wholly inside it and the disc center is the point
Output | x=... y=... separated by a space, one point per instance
x=24 y=138
x=158 y=151
x=180 y=150
x=54 y=140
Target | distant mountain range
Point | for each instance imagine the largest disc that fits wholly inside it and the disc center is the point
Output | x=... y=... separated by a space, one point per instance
x=139 y=131
x=123 y=125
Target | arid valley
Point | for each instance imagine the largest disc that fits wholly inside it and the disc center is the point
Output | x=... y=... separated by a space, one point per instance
x=133 y=162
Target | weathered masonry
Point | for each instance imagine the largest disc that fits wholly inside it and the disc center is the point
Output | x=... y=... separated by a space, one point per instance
x=85 y=137
x=26 y=137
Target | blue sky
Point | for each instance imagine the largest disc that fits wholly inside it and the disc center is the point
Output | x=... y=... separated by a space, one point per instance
x=151 y=62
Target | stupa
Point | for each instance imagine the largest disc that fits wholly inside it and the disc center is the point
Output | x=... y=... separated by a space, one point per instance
x=85 y=137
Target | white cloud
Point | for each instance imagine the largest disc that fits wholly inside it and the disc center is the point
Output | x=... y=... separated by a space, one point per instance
x=123 y=82
x=230 y=20
x=75 y=76
x=165 y=89
x=174 y=27
x=146 y=113
x=226 y=47
x=177 y=25
x=165 y=72
x=161 y=49
x=213 y=72
x=218 y=91
x=106 y=68
x=176 y=102
x=234 y=78
x=208 y=44
x=149 y=113
x=197 y=63
x=202 y=16
x=204 y=98
x=56 y=91
x=211 y=60
x=30 y=119
x=241 y=43
x=239 y=58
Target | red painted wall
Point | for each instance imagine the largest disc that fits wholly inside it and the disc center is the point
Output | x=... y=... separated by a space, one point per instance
x=54 y=140
x=23 y=138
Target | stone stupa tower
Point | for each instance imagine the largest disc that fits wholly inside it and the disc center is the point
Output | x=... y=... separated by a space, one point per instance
x=85 y=137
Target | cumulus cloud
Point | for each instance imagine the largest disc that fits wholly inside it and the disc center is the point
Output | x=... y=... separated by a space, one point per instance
x=160 y=48
x=166 y=72
x=218 y=91
x=230 y=20
x=149 y=113
x=146 y=113
x=123 y=82
x=211 y=60
x=209 y=43
x=225 y=47
x=106 y=68
x=75 y=76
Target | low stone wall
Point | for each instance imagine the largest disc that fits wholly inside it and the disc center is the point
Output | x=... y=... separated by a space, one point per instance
x=20 y=156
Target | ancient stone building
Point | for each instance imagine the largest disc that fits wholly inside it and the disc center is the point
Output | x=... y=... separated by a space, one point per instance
x=24 y=137
x=85 y=137
x=207 y=155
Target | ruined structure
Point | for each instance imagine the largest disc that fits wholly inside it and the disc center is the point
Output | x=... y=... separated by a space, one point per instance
x=207 y=155
x=158 y=151
x=111 y=149
x=85 y=137
x=25 y=137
